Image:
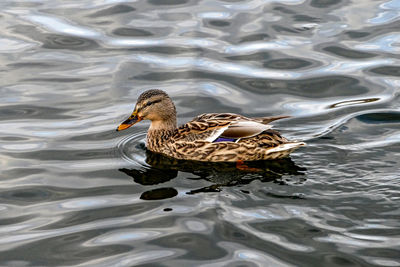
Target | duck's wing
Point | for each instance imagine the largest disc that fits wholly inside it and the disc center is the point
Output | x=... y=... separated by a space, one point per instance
x=214 y=127
x=235 y=117
x=201 y=130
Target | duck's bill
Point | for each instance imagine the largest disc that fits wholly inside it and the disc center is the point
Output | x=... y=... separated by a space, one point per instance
x=133 y=119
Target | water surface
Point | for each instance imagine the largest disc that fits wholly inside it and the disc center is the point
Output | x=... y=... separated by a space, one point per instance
x=73 y=192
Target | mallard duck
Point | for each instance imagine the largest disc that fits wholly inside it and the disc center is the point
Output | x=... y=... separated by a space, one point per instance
x=213 y=137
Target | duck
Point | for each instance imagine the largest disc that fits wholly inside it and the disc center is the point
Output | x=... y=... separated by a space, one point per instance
x=210 y=137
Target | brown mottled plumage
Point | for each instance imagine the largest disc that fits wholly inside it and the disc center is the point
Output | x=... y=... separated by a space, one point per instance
x=252 y=138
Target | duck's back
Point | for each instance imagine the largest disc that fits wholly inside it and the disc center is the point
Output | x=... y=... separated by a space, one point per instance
x=229 y=137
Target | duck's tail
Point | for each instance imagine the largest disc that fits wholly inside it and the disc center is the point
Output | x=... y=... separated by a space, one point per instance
x=283 y=150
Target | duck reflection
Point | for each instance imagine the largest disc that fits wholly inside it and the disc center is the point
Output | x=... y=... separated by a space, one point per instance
x=220 y=174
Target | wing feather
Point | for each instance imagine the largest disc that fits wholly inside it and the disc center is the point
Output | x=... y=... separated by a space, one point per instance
x=244 y=129
x=209 y=127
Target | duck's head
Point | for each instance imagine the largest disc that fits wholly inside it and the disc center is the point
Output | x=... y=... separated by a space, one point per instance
x=154 y=105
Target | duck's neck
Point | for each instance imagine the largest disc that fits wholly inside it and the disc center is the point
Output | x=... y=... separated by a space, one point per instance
x=159 y=133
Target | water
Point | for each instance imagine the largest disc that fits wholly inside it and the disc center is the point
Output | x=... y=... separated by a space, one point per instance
x=76 y=193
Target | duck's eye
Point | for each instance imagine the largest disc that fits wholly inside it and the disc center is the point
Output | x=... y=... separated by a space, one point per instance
x=151 y=103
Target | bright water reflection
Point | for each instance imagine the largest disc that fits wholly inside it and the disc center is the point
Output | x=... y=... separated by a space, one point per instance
x=75 y=192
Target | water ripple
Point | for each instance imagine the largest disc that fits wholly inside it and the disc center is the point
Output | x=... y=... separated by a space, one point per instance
x=76 y=192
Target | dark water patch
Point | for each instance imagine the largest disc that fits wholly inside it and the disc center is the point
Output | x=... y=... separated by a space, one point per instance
x=27 y=195
x=23 y=112
x=357 y=34
x=170 y=50
x=219 y=23
x=123 y=31
x=15 y=220
x=62 y=248
x=298 y=230
x=254 y=37
x=285 y=29
x=176 y=16
x=150 y=176
x=306 y=18
x=168 y=3
x=56 y=41
x=287 y=63
x=193 y=243
x=30 y=65
x=377 y=118
x=207 y=189
x=159 y=193
x=261 y=56
x=383 y=253
x=13 y=138
x=348 y=53
x=324 y=3
x=375 y=31
x=196 y=34
x=80 y=217
x=293 y=196
x=314 y=87
x=284 y=10
x=342 y=259
x=113 y=10
x=103 y=22
x=387 y=70
x=375 y=232
x=20 y=172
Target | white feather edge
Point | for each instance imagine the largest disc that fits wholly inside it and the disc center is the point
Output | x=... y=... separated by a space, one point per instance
x=216 y=134
x=251 y=124
x=242 y=124
x=287 y=146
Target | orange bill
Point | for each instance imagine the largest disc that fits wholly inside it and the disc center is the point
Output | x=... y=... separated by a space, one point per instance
x=133 y=119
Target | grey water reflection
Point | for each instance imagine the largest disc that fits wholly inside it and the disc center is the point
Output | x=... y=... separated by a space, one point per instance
x=73 y=192
x=163 y=169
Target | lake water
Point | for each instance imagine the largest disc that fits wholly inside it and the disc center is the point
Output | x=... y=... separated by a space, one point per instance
x=74 y=192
